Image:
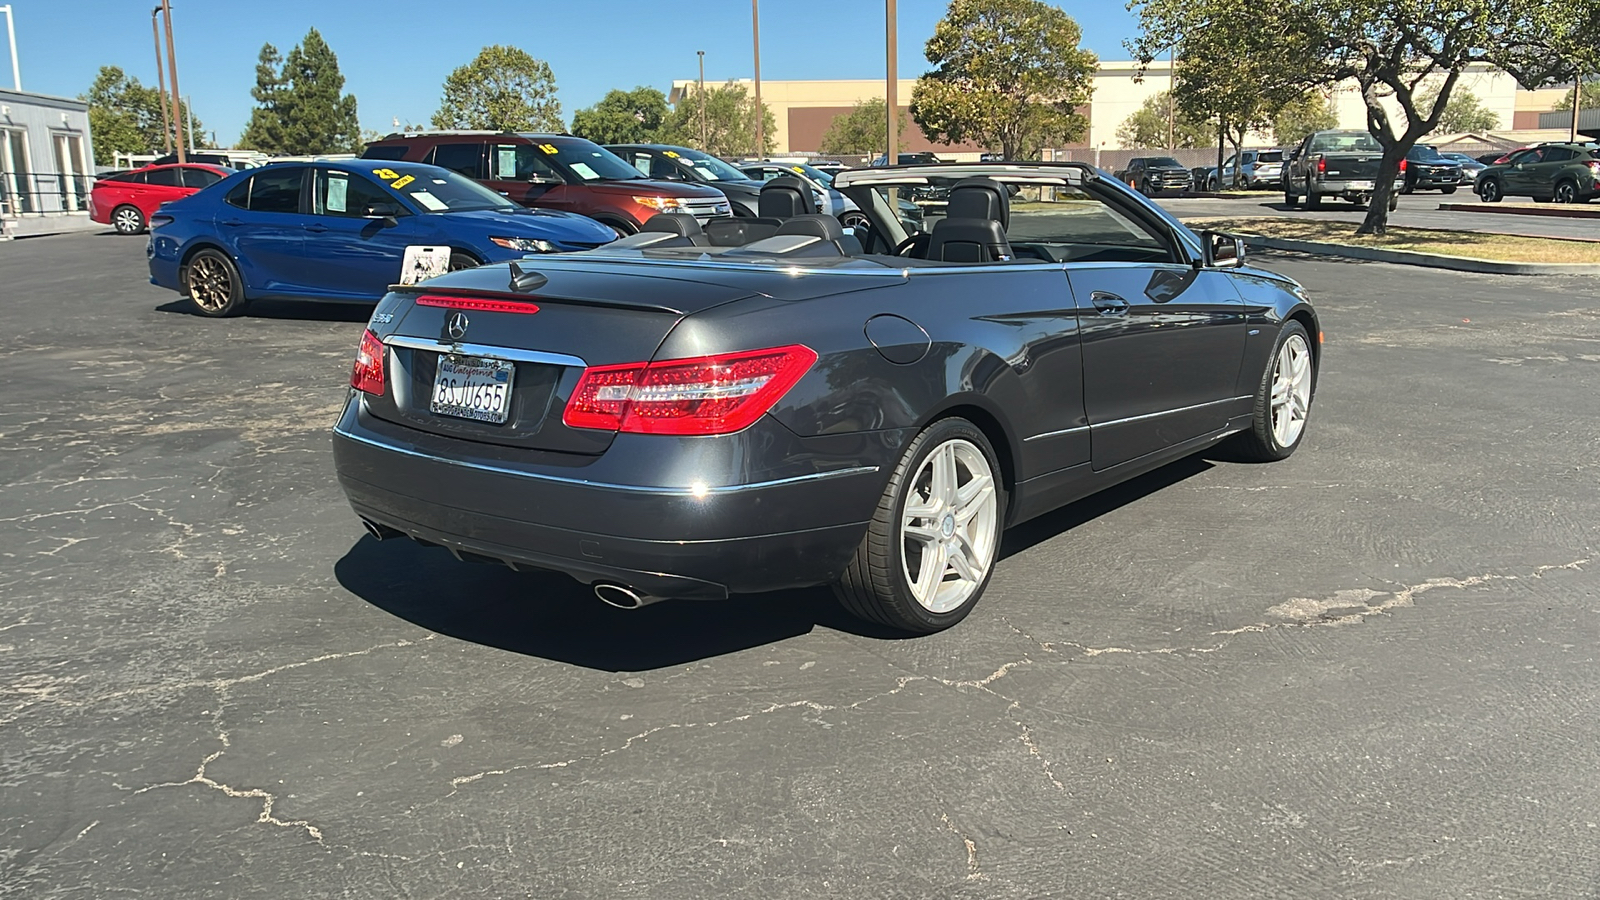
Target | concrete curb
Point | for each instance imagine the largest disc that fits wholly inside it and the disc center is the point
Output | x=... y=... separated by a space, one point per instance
x=1427 y=260
x=1564 y=211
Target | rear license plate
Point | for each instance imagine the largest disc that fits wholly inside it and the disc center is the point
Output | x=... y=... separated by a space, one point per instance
x=471 y=387
x=1361 y=185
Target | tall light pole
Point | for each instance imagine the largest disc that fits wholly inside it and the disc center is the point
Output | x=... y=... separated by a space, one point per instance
x=172 y=65
x=703 y=142
x=1172 y=99
x=161 y=84
x=891 y=100
x=11 y=33
x=761 y=111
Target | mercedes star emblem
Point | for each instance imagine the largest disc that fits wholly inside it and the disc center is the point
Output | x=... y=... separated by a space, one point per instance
x=455 y=326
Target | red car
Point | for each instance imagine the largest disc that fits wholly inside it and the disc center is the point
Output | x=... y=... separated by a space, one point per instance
x=125 y=200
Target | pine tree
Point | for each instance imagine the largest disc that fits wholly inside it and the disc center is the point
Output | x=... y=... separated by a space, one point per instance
x=301 y=107
x=265 y=130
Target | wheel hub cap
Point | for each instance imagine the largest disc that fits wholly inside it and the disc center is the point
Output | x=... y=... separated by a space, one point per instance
x=1291 y=390
x=950 y=526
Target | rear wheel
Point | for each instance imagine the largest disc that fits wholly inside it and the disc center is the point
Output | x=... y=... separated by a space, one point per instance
x=855 y=218
x=127 y=220
x=459 y=261
x=1489 y=191
x=1283 y=399
x=934 y=539
x=1566 y=191
x=1289 y=199
x=214 y=284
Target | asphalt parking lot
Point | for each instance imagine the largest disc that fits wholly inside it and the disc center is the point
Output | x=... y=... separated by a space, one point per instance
x=1368 y=671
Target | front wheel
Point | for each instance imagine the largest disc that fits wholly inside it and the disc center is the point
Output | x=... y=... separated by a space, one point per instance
x=459 y=261
x=1283 y=399
x=127 y=220
x=1289 y=199
x=1490 y=192
x=214 y=284
x=1451 y=189
x=935 y=536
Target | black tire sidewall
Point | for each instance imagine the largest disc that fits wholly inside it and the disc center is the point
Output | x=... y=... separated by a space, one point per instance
x=1491 y=187
x=115 y=213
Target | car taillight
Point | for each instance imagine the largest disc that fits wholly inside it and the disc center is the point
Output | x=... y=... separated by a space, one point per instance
x=366 y=375
x=480 y=304
x=1593 y=164
x=1322 y=165
x=1402 y=162
x=703 y=395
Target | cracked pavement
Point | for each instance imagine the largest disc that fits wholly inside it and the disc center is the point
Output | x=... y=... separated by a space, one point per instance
x=1369 y=671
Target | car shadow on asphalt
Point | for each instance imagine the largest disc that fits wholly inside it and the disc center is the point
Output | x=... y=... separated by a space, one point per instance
x=355 y=313
x=551 y=616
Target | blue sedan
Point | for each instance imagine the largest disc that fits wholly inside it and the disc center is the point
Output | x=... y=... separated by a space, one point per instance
x=343 y=231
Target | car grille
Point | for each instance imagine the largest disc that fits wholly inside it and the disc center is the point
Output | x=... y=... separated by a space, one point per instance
x=1170 y=179
x=709 y=209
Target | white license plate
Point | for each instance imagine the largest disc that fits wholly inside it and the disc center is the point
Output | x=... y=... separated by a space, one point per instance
x=473 y=388
x=1360 y=185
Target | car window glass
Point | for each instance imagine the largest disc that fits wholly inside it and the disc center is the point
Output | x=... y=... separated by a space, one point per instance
x=1344 y=142
x=520 y=162
x=276 y=190
x=662 y=167
x=240 y=194
x=129 y=177
x=163 y=177
x=464 y=158
x=638 y=159
x=1559 y=154
x=347 y=195
x=199 y=178
x=1527 y=156
x=393 y=151
x=1270 y=156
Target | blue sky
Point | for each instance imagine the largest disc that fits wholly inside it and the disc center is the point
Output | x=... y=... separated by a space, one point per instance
x=395 y=55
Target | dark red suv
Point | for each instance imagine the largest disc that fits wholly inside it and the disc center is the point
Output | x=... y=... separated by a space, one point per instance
x=555 y=171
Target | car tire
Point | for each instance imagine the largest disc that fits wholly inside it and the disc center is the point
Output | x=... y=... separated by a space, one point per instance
x=923 y=512
x=214 y=285
x=1394 y=201
x=1490 y=191
x=460 y=260
x=1278 y=422
x=1289 y=199
x=1313 y=199
x=127 y=219
x=855 y=218
x=1444 y=190
x=1566 y=191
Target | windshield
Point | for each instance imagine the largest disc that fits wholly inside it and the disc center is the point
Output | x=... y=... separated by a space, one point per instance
x=1345 y=142
x=1163 y=162
x=811 y=172
x=1427 y=153
x=585 y=161
x=440 y=190
x=707 y=166
x=1267 y=156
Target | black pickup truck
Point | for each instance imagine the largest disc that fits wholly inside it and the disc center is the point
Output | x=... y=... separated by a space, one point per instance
x=1150 y=175
x=1341 y=164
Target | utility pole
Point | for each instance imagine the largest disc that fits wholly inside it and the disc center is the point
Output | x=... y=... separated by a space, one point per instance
x=761 y=111
x=161 y=84
x=891 y=101
x=1577 y=105
x=11 y=34
x=1172 y=103
x=189 y=108
x=172 y=65
x=704 y=143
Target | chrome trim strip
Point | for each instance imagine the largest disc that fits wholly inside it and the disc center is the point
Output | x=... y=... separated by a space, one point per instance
x=1168 y=412
x=485 y=351
x=688 y=492
x=1051 y=434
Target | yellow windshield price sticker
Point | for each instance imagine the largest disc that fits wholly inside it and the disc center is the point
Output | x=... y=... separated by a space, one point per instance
x=549 y=149
x=671 y=154
x=397 y=185
x=797 y=169
x=386 y=174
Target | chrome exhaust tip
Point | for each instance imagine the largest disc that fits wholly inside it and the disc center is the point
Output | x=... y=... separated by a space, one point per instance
x=623 y=597
x=381 y=532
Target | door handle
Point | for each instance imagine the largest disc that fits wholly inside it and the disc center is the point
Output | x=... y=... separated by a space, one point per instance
x=316 y=229
x=231 y=222
x=1108 y=304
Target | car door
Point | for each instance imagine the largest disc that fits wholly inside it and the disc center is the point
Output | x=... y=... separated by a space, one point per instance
x=263 y=226
x=1162 y=341
x=1542 y=175
x=162 y=185
x=348 y=253
x=1520 y=171
x=519 y=170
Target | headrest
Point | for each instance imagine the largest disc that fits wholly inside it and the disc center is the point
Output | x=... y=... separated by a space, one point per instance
x=786 y=196
x=680 y=224
x=816 y=225
x=980 y=198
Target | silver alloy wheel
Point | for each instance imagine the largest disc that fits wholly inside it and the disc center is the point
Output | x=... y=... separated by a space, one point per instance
x=210 y=285
x=127 y=220
x=1291 y=390
x=855 y=218
x=1491 y=191
x=949 y=529
x=1566 y=192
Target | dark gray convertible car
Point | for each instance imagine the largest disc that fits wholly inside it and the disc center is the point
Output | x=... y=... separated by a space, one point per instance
x=775 y=402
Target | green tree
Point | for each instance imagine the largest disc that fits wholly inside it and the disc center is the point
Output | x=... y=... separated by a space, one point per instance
x=1387 y=48
x=502 y=89
x=729 y=122
x=1007 y=74
x=1590 y=98
x=864 y=129
x=126 y=117
x=638 y=116
x=1147 y=126
x=1463 y=112
x=301 y=107
x=1301 y=118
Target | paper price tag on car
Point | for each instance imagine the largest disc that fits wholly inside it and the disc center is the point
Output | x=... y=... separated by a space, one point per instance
x=422 y=262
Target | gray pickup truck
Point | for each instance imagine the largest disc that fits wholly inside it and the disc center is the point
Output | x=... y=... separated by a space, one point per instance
x=1341 y=164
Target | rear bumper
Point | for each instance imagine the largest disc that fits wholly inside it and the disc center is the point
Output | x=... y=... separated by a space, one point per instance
x=694 y=542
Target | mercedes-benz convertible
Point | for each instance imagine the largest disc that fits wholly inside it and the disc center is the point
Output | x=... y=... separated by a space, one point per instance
x=774 y=402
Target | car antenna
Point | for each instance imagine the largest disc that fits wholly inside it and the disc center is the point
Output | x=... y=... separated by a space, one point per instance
x=522 y=282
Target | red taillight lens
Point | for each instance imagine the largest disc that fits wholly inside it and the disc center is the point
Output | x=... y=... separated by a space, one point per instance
x=1594 y=166
x=1322 y=164
x=480 y=304
x=704 y=395
x=1402 y=163
x=366 y=375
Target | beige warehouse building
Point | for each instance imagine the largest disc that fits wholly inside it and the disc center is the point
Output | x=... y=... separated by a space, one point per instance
x=805 y=109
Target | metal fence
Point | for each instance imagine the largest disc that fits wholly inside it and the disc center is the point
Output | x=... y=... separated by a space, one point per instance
x=43 y=193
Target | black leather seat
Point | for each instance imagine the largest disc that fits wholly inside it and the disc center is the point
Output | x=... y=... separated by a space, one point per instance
x=824 y=227
x=782 y=198
x=666 y=230
x=974 y=227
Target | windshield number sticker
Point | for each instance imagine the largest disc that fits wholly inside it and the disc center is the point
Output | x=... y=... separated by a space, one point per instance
x=548 y=149
x=670 y=154
x=798 y=169
x=397 y=185
x=395 y=179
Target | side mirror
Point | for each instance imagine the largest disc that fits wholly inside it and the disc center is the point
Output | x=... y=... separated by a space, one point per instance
x=1221 y=251
x=388 y=212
